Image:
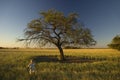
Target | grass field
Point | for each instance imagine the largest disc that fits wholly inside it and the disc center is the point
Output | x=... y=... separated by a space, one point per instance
x=80 y=64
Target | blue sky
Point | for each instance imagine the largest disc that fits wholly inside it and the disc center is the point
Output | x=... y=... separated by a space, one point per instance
x=101 y=16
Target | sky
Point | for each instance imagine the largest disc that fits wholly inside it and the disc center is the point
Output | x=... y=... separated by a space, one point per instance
x=102 y=17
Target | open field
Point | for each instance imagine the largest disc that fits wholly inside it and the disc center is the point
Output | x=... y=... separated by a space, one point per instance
x=80 y=64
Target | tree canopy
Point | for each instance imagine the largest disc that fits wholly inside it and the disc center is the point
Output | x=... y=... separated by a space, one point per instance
x=115 y=44
x=54 y=27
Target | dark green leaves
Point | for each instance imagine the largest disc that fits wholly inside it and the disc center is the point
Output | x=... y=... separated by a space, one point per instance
x=115 y=44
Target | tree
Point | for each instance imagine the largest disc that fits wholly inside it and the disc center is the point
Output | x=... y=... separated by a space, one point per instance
x=115 y=44
x=55 y=28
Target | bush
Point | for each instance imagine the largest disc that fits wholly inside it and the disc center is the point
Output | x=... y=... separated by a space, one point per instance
x=115 y=44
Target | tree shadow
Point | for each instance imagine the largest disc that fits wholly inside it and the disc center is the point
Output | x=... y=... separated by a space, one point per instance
x=38 y=59
x=68 y=59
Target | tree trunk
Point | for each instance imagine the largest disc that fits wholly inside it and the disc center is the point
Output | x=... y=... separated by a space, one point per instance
x=61 y=53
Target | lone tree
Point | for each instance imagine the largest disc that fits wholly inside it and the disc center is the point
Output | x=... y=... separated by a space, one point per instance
x=54 y=27
x=115 y=44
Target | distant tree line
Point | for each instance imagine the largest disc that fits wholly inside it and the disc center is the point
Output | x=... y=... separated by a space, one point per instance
x=1 y=47
x=9 y=48
x=72 y=47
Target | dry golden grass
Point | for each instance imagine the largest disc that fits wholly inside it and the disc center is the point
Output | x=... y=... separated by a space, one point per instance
x=105 y=65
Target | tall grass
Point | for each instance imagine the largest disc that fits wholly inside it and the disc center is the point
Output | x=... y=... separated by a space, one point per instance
x=93 y=64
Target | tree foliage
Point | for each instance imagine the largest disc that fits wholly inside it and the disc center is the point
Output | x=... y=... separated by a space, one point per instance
x=115 y=44
x=54 y=27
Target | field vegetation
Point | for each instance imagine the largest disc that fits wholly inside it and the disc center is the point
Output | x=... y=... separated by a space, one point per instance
x=80 y=64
